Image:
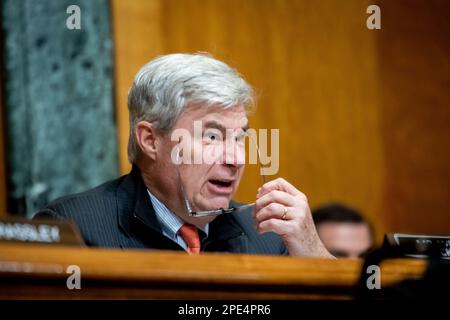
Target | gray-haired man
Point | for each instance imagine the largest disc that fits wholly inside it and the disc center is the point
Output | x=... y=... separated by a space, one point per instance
x=152 y=207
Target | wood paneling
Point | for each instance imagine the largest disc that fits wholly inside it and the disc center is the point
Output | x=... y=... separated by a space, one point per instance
x=363 y=114
x=137 y=38
x=415 y=71
x=39 y=272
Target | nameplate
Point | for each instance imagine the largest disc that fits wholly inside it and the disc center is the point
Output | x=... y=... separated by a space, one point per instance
x=419 y=246
x=20 y=230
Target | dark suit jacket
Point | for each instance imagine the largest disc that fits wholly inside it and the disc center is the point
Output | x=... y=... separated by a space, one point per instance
x=119 y=214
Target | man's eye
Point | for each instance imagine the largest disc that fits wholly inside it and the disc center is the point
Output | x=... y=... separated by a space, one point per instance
x=212 y=137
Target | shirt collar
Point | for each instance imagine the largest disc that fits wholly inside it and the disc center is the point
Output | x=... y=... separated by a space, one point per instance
x=169 y=221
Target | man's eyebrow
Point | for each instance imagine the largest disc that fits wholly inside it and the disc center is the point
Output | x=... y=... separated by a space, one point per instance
x=216 y=125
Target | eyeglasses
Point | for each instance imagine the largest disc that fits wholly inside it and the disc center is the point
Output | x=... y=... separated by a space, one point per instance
x=220 y=211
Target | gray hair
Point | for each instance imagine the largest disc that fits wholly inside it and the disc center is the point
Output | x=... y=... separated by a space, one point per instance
x=165 y=86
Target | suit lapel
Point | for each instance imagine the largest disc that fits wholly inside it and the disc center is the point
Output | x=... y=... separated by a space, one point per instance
x=226 y=235
x=137 y=218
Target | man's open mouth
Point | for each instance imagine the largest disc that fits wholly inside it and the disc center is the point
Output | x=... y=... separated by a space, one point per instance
x=221 y=186
x=221 y=183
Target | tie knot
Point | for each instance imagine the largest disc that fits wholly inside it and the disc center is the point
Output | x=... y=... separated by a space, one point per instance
x=189 y=233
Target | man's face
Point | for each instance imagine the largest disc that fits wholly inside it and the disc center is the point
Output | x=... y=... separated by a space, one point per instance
x=345 y=240
x=215 y=150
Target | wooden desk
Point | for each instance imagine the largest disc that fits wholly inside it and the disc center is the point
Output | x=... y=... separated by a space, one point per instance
x=34 y=272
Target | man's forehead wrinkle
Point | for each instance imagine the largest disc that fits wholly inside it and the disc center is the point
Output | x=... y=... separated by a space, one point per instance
x=225 y=120
x=230 y=118
x=220 y=125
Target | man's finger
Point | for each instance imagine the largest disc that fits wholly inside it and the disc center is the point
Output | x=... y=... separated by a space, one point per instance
x=275 y=196
x=277 y=226
x=278 y=184
x=272 y=211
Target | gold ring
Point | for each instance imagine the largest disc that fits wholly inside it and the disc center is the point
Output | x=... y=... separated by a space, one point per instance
x=284 y=213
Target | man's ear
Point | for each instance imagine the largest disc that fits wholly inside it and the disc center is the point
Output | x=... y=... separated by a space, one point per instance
x=146 y=137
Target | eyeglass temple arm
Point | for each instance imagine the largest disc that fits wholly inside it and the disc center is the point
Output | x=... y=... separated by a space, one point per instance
x=220 y=211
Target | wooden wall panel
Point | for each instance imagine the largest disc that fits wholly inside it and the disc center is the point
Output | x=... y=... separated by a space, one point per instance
x=415 y=71
x=137 y=39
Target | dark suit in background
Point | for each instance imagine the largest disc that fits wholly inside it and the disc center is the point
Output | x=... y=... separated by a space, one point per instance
x=119 y=214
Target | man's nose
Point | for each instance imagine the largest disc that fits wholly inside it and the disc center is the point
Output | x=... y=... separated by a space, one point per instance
x=234 y=154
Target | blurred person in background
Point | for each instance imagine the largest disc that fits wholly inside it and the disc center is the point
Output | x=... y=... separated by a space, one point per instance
x=343 y=231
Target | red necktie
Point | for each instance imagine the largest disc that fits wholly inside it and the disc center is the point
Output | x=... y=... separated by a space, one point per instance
x=189 y=233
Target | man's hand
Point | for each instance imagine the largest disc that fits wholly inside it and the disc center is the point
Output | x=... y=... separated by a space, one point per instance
x=284 y=210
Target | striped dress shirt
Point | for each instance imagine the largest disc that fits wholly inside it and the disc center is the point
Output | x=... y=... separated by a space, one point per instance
x=170 y=222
